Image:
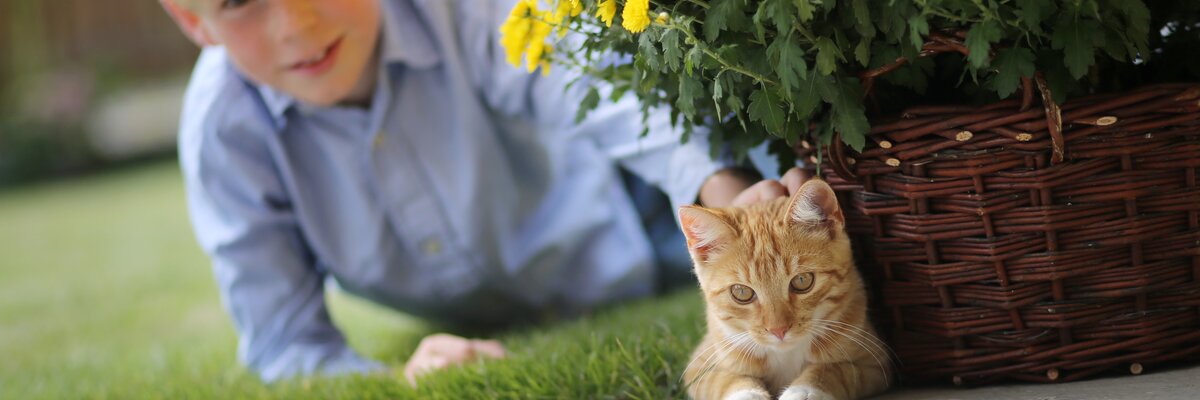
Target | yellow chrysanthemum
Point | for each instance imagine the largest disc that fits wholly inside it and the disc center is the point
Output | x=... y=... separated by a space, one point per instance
x=606 y=11
x=545 y=64
x=514 y=34
x=537 y=43
x=576 y=7
x=636 y=15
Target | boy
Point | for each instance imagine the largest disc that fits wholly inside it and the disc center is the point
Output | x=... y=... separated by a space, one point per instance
x=385 y=143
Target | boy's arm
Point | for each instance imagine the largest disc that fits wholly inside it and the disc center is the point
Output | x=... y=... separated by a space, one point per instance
x=242 y=219
x=264 y=272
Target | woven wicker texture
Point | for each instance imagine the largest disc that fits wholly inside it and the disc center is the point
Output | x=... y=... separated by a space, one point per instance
x=991 y=259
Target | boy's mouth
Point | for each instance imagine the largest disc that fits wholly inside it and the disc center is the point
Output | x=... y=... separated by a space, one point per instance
x=320 y=62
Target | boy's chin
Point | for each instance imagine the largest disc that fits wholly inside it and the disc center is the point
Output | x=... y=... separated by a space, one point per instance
x=322 y=99
x=330 y=96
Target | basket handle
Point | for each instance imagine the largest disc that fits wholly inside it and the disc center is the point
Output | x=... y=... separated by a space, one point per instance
x=1053 y=119
x=938 y=43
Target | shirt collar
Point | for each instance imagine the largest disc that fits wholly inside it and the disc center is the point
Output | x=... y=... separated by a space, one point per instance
x=405 y=38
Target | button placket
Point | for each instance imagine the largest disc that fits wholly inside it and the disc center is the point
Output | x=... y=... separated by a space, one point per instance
x=411 y=209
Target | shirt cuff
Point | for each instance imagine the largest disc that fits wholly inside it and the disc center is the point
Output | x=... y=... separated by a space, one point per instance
x=329 y=360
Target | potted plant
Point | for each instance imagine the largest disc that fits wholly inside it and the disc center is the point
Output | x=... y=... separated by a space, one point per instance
x=1021 y=180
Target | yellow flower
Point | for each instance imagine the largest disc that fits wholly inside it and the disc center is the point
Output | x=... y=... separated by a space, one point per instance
x=537 y=43
x=661 y=19
x=606 y=11
x=564 y=10
x=514 y=34
x=636 y=15
x=576 y=7
x=545 y=64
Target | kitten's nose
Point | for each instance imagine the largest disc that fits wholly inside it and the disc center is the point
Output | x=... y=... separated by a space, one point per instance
x=779 y=332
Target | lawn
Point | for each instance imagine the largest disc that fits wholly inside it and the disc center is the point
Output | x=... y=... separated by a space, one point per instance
x=104 y=294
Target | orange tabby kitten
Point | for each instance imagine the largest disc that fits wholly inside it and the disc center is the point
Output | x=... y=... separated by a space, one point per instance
x=786 y=307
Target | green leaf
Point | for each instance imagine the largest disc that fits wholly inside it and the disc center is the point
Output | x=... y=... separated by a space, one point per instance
x=760 y=32
x=741 y=144
x=1137 y=27
x=1116 y=46
x=766 y=109
x=804 y=10
x=979 y=41
x=589 y=103
x=807 y=98
x=718 y=89
x=648 y=52
x=1011 y=65
x=1076 y=38
x=722 y=14
x=1059 y=80
x=862 y=18
x=918 y=27
x=827 y=5
x=827 y=56
x=784 y=154
x=782 y=14
x=912 y=75
x=672 y=53
x=787 y=58
x=690 y=90
x=1033 y=12
x=736 y=104
x=862 y=52
x=847 y=114
x=892 y=19
x=716 y=142
x=694 y=57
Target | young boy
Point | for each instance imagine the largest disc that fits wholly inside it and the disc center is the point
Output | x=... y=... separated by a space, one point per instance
x=386 y=144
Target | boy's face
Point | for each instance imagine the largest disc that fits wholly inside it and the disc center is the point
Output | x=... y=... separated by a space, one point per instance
x=320 y=51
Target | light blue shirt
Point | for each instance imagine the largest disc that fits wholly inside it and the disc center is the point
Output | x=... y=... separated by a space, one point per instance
x=465 y=192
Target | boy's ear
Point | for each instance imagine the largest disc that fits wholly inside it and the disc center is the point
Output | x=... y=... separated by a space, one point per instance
x=190 y=23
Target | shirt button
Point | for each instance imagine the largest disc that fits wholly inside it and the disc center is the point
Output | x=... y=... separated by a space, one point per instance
x=431 y=246
x=378 y=140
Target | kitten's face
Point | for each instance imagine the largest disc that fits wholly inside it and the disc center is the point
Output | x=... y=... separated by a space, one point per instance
x=776 y=271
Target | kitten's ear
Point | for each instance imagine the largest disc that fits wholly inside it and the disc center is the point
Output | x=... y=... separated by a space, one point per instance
x=815 y=205
x=705 y=229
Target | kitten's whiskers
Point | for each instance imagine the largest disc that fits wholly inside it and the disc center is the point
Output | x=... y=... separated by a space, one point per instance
x=718 y=347
x=873 y=352
x=867 y=336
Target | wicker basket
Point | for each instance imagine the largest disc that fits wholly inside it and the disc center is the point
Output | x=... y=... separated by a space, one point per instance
x=1040 y=244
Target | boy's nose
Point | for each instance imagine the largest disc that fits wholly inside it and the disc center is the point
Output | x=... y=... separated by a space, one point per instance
x=293 y=17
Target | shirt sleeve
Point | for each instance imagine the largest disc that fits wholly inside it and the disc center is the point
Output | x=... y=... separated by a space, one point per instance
x=242 y=218
x=658 y=157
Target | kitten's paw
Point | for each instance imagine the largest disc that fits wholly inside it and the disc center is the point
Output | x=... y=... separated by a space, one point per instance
x=749 y=394
x=805 y=392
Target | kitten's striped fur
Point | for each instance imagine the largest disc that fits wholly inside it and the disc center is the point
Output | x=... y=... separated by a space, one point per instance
x=828 y=348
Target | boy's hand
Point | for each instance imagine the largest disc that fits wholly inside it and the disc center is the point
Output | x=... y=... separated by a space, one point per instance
x=442 y=350
x=728 y=188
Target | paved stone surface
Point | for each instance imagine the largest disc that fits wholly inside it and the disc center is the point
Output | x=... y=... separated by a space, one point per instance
x=1175 y=383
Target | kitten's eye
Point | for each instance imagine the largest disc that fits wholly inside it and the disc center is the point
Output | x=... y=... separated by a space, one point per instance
x=741 y=293
x=803 y=282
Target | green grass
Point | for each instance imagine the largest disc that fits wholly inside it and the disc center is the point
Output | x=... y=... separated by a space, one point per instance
x=104 y=294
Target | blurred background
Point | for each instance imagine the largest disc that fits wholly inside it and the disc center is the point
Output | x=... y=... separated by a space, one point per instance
x=103 y=290
x=85 y=84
